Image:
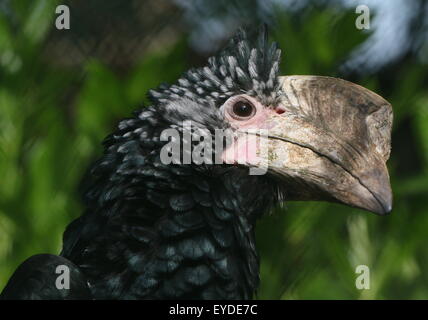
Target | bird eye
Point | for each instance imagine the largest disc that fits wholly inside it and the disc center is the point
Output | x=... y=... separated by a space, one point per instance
x=242 y=110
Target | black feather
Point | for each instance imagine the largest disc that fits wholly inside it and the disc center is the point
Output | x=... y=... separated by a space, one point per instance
x=157 y=231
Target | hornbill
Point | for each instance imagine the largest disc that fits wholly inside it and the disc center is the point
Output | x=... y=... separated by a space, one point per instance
x=159 y=230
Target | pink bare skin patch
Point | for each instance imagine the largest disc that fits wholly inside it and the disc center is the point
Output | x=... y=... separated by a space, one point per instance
x=246 y=148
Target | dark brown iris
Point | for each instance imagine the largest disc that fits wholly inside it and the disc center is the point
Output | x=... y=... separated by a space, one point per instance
x=243 y=109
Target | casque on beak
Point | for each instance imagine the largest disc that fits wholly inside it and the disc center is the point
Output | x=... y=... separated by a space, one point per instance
x=331 y=142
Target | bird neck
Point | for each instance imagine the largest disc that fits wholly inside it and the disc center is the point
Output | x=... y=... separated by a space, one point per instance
x=190 y=236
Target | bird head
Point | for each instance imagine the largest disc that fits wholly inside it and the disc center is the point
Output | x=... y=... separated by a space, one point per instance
x=168 y=192
x=316 y=138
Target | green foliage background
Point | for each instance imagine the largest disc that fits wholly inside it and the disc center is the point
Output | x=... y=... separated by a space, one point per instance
x=52 y=125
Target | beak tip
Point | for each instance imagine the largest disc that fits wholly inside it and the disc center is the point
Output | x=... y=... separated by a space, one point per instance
x=384 y=205
x=380 y=199
x=387 y=208
x=379 y=202
x=381 y=210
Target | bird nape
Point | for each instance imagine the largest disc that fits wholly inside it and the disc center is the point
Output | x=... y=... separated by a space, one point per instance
x=159 y=227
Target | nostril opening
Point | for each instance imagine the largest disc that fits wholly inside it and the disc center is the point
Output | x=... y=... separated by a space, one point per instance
x=279 y=110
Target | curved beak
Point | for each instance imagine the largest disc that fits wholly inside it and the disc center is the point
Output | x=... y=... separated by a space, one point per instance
x=331 y=142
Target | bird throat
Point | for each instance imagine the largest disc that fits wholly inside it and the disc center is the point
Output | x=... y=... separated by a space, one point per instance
x=194 y=240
